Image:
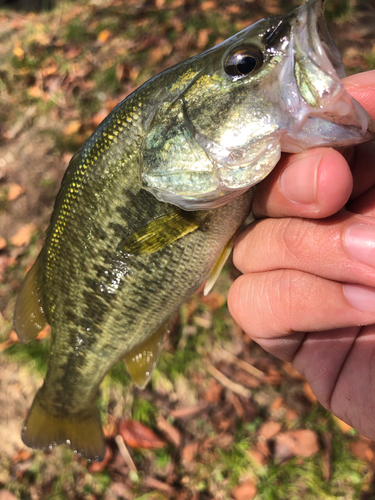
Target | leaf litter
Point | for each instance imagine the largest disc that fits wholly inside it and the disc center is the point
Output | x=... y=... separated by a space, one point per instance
x=221 y=418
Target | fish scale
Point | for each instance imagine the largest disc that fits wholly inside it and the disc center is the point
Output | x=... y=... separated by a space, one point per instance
x=150 y=206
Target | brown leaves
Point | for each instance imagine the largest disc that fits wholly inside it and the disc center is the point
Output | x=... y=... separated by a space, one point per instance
x=301 y=442
x=137 y=435
x=245 y=491
x=23 y=235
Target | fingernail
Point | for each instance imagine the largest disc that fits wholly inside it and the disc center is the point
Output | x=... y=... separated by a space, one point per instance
x=360 y=297
x=299 y=181
x=359 y=240
x=366 y=79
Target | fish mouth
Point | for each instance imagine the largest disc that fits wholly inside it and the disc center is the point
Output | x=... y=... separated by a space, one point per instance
x=322 y=111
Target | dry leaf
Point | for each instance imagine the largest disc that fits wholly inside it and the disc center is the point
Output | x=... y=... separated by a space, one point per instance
x=189 y=411
x=138 y=435
x=269 y=429
x=43 y=334
x=100 y=466
x=344 y=427
x=214 y=392
x=245 y=491
x=151 y=482
x=14 y=191
x=72 y=127
x=104 y=36
x=23 y=236
x=172 y=434
x=7 y=495
x=292 y=443
x=277 y=403
x=3 y=243
x=35 y=92
x=309 y=393
x=362 y=450
x=189 y=452
x=208 y=5
x=19 y=53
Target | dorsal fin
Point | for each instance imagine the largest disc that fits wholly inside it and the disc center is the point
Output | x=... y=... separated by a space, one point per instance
x=29 y=316
x=142 y=360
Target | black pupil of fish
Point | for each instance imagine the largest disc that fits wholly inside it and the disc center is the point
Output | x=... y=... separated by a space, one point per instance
x=246 y=65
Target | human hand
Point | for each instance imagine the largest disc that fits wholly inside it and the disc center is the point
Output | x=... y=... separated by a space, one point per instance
x=307 y=293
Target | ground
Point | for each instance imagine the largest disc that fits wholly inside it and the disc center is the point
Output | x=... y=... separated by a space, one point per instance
x=220 y=419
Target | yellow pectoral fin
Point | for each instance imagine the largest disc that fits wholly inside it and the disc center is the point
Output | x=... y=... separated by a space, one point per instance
x=29 y=317
x=142 y=360
x=216 y=270
x=159 y=233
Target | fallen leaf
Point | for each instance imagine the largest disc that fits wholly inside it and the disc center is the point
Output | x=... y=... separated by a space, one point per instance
x=12 y=339
x=189 y=452
x=104 y=36
x=269 y=429
x=7 y=495
x=43 y=334
x=171 y=433
x=138 y=435
x=203 y=36
x=309 y=393
x=362 y=450
x=72 y=127
x=14 y=191
x=100 y=466
x=290 y=444
x=257 y=456
x=3 y=243
x=214 y=392
x=245 y=491
x=344 y=427
x=21 y=456
x=277 y=403
x=23 y=236
x=189 y=411
x=213 y=300
x=208 y=5
x=35 y=92
x=151 y=482
x=19 y=53
x=292 y=372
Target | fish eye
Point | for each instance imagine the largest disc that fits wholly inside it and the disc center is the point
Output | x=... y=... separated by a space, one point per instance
x=243 y=60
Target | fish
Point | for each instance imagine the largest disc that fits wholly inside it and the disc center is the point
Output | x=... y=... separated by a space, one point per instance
x=151 y=204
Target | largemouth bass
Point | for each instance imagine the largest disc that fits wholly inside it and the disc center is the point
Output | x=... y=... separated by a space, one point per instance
x=151 y=203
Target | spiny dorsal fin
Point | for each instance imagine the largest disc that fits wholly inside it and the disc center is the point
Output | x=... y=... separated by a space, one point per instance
x=82 y=432
x=29 y=317
x=159 y=233
x=216 y=270
x=142 y=360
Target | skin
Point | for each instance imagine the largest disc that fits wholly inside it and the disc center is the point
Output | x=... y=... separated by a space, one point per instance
x=309 y=279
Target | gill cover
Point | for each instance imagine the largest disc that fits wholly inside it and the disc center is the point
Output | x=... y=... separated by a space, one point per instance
x=273 y=87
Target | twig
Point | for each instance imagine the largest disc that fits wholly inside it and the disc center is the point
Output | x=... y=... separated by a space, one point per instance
x=226 y=382
x=124 y=453
x=241 y=363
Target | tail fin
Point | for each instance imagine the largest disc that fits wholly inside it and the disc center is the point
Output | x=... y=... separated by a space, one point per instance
x=82 y=432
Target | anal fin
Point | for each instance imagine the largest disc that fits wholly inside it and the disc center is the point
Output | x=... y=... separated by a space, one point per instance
x=216 y=270
x=82 y=432
x=29 y=317
x=142 y=360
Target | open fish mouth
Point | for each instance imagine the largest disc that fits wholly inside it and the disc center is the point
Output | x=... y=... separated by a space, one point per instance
x=322 y=110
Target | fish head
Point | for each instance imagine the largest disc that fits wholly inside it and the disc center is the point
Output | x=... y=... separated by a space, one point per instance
x=275 y=86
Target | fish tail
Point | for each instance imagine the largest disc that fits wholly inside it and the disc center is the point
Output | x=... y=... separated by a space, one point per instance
x=83 y=432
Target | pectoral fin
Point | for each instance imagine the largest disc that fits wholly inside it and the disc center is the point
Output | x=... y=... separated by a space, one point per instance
x=159 y=233
x=29 y=317
x=142 y=360
x=216 y=270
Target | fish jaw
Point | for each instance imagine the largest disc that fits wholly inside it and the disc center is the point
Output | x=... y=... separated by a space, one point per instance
x=202 y=159
x=323 y=113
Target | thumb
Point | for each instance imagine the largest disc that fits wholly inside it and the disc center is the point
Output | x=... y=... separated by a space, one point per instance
x=362 y=87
